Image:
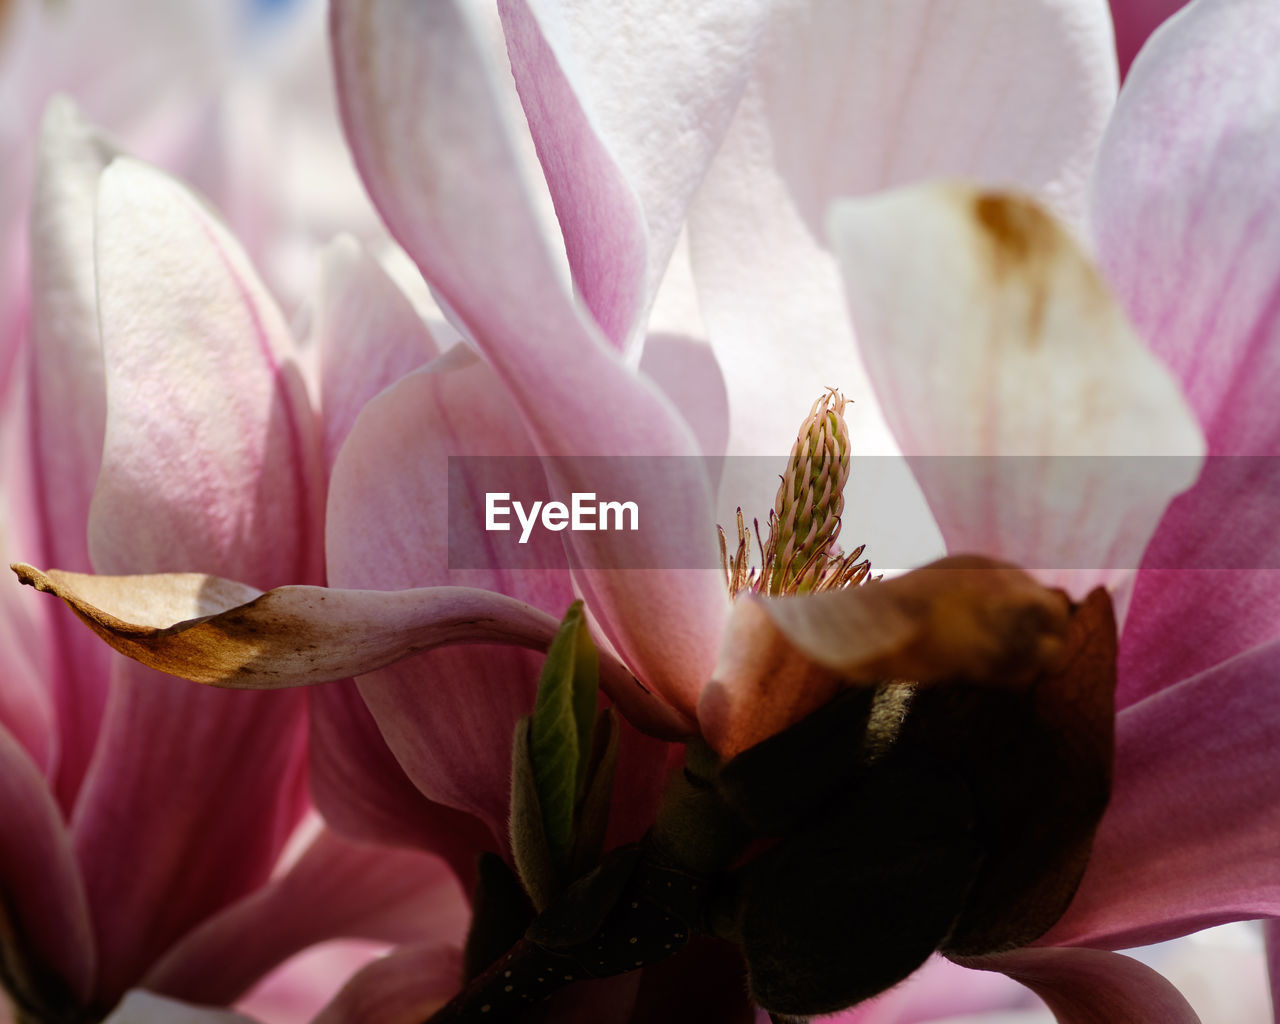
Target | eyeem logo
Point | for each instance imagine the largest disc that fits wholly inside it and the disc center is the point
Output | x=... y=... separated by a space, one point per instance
x=582 y=513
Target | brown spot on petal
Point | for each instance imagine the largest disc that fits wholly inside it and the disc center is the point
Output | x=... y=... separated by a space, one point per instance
x=1024 y=244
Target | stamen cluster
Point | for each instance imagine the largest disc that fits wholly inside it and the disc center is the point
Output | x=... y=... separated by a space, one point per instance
x=801 y=554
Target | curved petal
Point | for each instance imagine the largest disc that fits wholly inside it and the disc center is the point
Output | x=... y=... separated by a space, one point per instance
x=68 y=406
x=362 y=792
x=627 y=105
x=42 y=901
x=210 y=460
x=436 y=153
x=205 y=410
x=448 y=716
x=366 y=334
x=1187 y=222
x=863 y=96
x=1087 y=986
x=404 y=987
x=1135 y=20
x=1020 y=351
x=337 y=889
x=226 y=634
x=1189 y=838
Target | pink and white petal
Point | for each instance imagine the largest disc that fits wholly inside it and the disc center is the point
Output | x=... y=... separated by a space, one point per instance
x=139 y=1007
x=364 y=794
x=1187 y=224
x=686 y=370
x=208 y=425
x=1135 y=21
x=776 y=318
x=435 y=151
x=447 y=715
x=42 y=899
x=210 y=461
x=1019 y=351
x=337 y=889
x=155 y=861
x=27 y=684
x=67 y=397
x=405 y=987
x=1091 y=986
x=366 y=335
x=1190 y=836
x=296 y=992
x=865 y=96
x=627 y=106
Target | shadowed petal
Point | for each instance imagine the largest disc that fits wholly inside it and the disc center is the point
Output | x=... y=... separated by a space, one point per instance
x=436 y=153
x=963 y=617
x=1190 y=837
x=337 y=889
x=42 y=902
x=1089 y=986
x=1187 y=223
x=404 y=987
x=362 y=792
x=1020 y=351
x=1272 y=932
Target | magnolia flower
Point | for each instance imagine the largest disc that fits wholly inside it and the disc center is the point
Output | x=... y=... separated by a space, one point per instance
x=152 y=839
x=1019 y=349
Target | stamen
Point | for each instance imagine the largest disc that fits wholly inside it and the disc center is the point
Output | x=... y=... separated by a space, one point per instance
x=801 y=553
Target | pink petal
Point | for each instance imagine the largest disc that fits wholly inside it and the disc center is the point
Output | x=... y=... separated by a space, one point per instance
x=448 y=715
x=1135 y=20
x=688 y=374
x=337 y=889
x=210 y=460
x=41 y=893
x=1187 y=222
x=1089 y=986
x=204 y=405
x=68 y=407
x=405 y=987
x=627 y=108
x=864 y=96
x=1190 y=836
x=436 y=154
x=155 y=860
x=1019 y=351
x=366 y=334
x=27 y=685
x=364 y=794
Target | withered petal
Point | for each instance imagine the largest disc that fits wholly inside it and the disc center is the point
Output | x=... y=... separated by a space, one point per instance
x=226 y=634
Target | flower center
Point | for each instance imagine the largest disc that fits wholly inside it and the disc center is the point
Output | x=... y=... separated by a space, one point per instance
x=801 y=553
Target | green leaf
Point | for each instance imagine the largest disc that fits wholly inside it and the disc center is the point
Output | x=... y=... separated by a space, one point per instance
x=560 y=730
